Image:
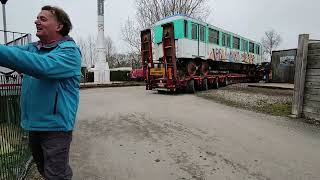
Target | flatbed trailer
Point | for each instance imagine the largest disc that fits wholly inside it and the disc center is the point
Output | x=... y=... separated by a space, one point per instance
x=196 y=83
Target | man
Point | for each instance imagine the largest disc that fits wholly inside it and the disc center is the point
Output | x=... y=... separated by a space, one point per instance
x=50 y=90
x=267 y=69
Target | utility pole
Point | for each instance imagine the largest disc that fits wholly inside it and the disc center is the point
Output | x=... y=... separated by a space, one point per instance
x=4 y=20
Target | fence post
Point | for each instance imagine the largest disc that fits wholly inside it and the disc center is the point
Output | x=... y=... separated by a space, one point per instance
x=300 y=75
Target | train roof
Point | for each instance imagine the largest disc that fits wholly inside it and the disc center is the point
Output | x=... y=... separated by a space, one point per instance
x=186 y=17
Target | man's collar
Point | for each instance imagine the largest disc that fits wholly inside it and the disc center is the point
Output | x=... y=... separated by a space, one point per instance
x=39 y=45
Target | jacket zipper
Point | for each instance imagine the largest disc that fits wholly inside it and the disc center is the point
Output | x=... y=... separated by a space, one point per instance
x=55 y=104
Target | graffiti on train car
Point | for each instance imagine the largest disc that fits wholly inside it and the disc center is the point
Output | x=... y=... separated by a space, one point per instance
x=227 y=55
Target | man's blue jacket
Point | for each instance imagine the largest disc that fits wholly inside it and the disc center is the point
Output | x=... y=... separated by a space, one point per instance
x=51 y=83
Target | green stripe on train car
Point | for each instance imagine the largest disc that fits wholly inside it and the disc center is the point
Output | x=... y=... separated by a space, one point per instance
x=178 y=30
x=179 y=34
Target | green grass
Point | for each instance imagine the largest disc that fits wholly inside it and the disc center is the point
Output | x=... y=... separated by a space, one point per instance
x=14 y=151
x=12 y=163
x=277 y=109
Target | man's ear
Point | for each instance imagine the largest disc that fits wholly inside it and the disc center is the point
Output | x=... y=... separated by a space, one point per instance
x=60 y=26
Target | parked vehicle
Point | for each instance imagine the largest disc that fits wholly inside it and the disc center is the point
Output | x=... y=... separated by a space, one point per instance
x=136 y=75
x=183 y=54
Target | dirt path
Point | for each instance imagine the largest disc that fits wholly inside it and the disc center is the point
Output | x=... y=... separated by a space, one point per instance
x=132 y=134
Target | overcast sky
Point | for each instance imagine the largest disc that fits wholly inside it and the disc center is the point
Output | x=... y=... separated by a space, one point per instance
x=249 y=18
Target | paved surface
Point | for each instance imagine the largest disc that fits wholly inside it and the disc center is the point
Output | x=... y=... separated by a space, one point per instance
x=133 y=134
x=273 y=85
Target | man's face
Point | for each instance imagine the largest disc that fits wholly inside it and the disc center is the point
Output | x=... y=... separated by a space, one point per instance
x=47 y=25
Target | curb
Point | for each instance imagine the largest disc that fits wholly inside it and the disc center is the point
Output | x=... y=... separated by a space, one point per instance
x=271 y=87
x=124 y=84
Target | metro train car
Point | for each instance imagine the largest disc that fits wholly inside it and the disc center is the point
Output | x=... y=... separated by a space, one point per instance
x=182 y=53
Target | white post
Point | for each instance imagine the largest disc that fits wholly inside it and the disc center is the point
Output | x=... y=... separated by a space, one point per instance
x=4 y=20
x=101 y=71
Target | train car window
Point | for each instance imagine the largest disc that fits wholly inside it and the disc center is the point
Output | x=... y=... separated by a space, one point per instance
x=228 y=41
x=185 y=28
x=214 y=36
x=244 y=45
x=224 y=40
x=236 y=43
x=202 y=32
x=195 y=31
x=251 y=47
x=258 y=49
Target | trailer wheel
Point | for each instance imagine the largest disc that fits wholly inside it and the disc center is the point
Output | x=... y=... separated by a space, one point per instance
x=191 y=68
x=204 y=68
x=224 y=82
x=205 y=85
x=216 y=84
x=190 y=87
x=227 y=81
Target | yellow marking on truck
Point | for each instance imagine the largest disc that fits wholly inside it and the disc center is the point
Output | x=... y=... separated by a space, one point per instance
x=157 y=71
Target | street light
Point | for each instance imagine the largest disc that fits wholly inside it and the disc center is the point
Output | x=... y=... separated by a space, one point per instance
x=4 y=19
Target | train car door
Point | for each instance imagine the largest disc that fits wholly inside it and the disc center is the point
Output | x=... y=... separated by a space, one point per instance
x=198 y=35
x=202 y=42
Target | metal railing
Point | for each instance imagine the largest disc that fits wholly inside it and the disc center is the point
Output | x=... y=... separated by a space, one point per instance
x=15 y=156
x=14 y=38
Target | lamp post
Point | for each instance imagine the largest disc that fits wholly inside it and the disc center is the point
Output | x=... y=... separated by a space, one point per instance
x=3 y=2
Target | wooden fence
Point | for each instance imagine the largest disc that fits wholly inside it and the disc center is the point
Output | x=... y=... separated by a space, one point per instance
x=306 y=100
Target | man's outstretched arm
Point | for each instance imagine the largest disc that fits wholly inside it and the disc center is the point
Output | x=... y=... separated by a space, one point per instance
x=59 y=64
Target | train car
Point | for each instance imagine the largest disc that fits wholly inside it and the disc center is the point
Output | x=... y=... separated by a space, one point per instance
x=182 y=53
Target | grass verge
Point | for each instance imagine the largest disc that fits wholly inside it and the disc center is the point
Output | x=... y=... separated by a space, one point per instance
x=276 y=109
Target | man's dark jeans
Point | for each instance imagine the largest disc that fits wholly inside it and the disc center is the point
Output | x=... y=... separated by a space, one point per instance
x=50 y=151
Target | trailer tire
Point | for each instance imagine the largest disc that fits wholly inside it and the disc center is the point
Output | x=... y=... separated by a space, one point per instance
x=205 y=85
x=204 y=68
x=224 y=82
x=216 y=84
x=190 y=87
x=191 y=68
x=227 y=81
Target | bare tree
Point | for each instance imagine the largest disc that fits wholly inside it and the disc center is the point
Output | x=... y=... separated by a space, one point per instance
x=119 y=60
x=110 y=49
x=91 y=49
x=151 y=11
x=87 y=48
x=83 y=48
x=270 y=42
x=135 y=60
x=131 y=35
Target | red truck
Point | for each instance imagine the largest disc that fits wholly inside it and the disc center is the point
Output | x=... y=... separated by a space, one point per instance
x=136 y=75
